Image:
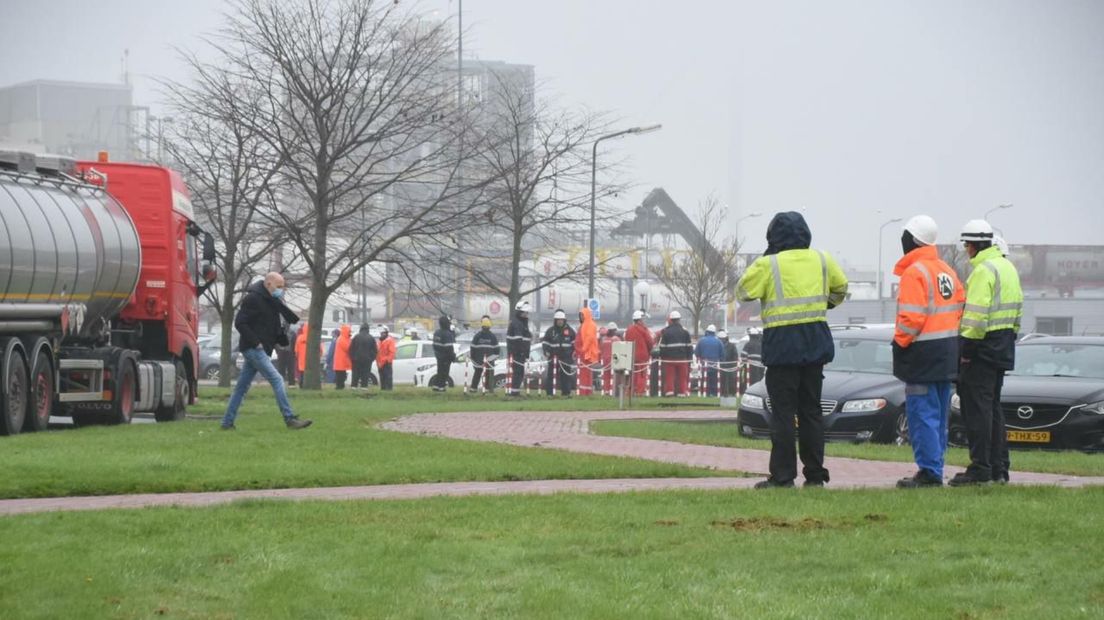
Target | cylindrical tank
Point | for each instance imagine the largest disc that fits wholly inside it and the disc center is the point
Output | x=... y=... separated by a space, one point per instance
x=63 y=242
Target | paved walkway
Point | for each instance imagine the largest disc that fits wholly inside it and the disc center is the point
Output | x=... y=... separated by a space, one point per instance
x=557 y=430
x=570 y=431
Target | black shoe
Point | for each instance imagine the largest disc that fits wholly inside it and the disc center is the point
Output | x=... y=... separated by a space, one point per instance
x=295 y=423
x=227 y=428
x=771 y=483
x=920 y=480
x=965 y=480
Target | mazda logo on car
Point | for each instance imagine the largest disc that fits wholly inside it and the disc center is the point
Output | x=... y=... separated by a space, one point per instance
x=1025 y=412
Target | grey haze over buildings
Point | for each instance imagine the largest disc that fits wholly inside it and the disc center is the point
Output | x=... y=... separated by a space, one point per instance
x=843 y=109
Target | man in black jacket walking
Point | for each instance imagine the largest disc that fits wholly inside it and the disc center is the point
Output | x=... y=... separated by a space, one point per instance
x=363 y=353
x=258 y=322
x=484 y=350
x=445 y=352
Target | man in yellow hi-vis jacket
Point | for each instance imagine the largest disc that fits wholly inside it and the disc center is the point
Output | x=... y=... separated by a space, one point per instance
x=795 y=286
x=990 y=323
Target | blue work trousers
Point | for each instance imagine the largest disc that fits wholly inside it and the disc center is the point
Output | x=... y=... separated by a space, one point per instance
x=927 y=406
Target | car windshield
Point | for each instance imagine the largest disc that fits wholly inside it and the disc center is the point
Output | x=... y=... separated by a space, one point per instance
x=1059 y=360
x=855 y=355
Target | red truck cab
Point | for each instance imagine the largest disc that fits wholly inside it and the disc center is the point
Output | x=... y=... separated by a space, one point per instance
x=162 y=318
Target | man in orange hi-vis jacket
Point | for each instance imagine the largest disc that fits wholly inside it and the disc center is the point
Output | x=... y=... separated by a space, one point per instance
x=925 y=346
x=586 y=350
x=343 y=362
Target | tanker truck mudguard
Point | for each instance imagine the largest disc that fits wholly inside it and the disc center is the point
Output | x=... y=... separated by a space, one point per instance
x=100 y=273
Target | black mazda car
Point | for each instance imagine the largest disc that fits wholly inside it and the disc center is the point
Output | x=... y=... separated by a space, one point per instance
x=1054 y=398
x=861 y=399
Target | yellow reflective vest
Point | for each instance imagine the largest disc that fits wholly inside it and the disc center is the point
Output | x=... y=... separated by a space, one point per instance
x=794 y=287
x=994 y=299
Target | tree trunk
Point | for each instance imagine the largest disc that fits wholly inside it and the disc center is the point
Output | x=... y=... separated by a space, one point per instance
x=226 y=316
x=312 y=379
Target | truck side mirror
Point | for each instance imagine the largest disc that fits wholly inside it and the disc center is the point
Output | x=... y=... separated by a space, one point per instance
x=208 y=247
x=209 y=272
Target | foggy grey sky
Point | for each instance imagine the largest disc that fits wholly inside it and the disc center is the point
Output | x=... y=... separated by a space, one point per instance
x=845 y=108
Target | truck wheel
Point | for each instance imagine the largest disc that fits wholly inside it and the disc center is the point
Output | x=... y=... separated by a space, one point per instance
x=41 y=402
x=14 y=395
x=122 y=405
x=175 y=411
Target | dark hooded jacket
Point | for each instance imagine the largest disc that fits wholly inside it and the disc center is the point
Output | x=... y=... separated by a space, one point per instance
x=364 y=347
x=807 y=344
x=483 y=346
x=443 y=341
x=258 y=319
x=519 y=338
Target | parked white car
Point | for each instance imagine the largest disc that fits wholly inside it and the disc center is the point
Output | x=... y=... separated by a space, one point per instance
x=413 y=358
x=462 y=370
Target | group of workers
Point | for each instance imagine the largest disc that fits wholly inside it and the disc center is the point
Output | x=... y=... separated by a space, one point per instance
x=945 y=334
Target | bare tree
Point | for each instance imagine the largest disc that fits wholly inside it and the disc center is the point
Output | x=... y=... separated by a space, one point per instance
x=358 y=104
x=705 y=274
x=536 y=158
x=230 y=171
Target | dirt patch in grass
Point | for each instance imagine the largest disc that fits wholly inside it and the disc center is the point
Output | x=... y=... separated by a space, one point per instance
x=761 y=524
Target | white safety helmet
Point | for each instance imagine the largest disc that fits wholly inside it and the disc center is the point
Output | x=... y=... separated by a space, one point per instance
x=923 y=229
x=383 y=329
x=1001 y=244
x=675 y=315
x=611 y=326
x=976 y=230
x=522 y=306
x=722 y=334
x=638 y=315
x=559 y=315
x=711 y=328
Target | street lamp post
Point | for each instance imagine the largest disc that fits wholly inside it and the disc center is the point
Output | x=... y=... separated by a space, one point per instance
x=736 y=227
x=593 y=185
x=729 y=302
x=881 y=232
x=1007 y=205
x=641 y=290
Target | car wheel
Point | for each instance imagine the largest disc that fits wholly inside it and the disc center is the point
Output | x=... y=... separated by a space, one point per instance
x=212 y=372
x=500 y=382
x=901 y=430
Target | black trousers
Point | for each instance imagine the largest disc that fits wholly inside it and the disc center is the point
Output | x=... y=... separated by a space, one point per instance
x=517 y=373
x=361 y=372
x=561 y=376
x=339 y=378
x=795 y=391
x=979 y=391
x=479 y=373
x=385 y=376
x=441 y=379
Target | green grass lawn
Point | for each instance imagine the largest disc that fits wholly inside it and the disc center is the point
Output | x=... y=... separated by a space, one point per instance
x=717 y=433
x=944 y=553
x=342 y=448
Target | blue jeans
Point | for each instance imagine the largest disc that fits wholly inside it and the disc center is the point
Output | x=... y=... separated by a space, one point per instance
x=927 y=406
x=257 y=361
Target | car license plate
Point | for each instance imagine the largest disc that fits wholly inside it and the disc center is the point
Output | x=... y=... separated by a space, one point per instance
x=1029 y=436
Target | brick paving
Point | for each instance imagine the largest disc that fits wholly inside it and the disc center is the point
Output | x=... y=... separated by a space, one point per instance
x=549 y=430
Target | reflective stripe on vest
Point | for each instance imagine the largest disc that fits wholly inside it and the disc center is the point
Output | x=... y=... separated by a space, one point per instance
x=777 y=310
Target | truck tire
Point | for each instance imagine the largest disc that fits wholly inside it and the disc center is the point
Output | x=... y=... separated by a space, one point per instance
x=122 y=402
x=175 y=411
x=14 y=393
x=41 y=393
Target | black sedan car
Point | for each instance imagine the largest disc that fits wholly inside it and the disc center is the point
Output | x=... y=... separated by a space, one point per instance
x=861 y=399
x=1054 y=398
